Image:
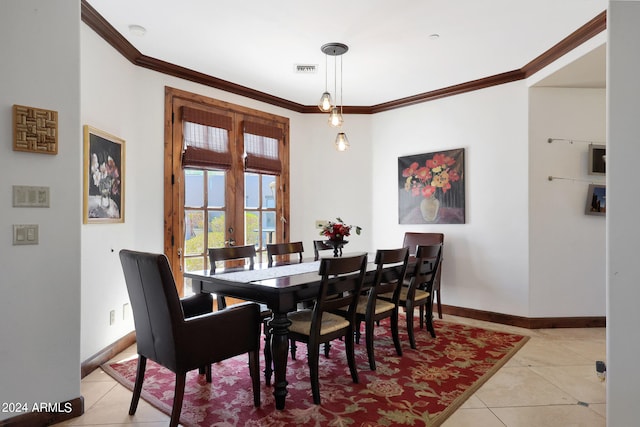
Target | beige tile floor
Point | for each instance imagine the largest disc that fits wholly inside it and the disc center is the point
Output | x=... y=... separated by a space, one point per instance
x=550 y=382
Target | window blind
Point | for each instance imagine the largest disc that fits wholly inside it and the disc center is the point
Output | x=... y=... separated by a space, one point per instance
x=261 y=144
x=206 y=139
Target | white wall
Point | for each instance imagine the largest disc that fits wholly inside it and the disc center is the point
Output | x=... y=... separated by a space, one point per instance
x=326 y=183
x=623 y=233
x=109 y=88
x=40 y=284
x=486 y=260
x=128 y=101
x=567 y=247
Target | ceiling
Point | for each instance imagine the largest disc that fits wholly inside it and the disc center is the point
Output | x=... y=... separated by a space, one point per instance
x=588 y=71
x=393 y=51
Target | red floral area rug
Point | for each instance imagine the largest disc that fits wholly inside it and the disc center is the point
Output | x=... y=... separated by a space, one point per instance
x=422 y=387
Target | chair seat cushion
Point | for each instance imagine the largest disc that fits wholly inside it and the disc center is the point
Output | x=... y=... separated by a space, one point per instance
x=381 y=305
x=419 y=295
x=301 y=322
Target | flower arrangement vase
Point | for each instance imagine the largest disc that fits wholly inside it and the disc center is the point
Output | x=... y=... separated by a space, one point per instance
x=429 y=208
x=105 y=201
x=337 y=245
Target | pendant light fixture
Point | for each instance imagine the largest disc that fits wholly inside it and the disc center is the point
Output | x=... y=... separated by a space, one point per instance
x=335 y=110
x=325 y=100
x=342 y=143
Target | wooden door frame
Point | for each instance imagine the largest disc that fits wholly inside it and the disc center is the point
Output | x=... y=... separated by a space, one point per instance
x=174 y=175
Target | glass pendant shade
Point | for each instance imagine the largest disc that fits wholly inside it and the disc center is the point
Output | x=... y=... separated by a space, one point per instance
x=342 y=143
x=325 y=102
x=335 y=118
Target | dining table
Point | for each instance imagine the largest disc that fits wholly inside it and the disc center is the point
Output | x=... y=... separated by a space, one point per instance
x=280 y=288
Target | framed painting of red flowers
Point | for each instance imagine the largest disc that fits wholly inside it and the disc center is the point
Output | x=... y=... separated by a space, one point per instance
x=431 y=188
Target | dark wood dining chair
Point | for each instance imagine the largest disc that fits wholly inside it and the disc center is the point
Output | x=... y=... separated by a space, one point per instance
x=280 y=249
x=183 y=335
x=340 y=286
x=416 y=289
x=319 y=246
x=245 y=254
x=391 y=268
x=411 y=241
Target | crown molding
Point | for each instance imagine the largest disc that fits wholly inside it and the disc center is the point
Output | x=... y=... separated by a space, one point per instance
x=101 y=27
x=573 y=40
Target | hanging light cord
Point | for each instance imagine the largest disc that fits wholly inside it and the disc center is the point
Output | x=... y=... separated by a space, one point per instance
x=341 y=85
x=326 y=78
x=335 y=75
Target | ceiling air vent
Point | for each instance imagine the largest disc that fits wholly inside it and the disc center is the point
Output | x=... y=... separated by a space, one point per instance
x=305 y=69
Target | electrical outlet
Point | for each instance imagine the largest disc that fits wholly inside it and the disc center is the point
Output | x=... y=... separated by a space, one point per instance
x=126 y=311
x=112 y=317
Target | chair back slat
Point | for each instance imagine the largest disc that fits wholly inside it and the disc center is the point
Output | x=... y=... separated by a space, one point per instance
x=320 y=245
x=279 y=249
x=413 y=239
x=426 y=267
x=231 y=253
x=342 y=279
x=390 y=273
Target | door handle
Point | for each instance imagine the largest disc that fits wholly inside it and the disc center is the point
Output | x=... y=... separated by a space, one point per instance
x=231 y=241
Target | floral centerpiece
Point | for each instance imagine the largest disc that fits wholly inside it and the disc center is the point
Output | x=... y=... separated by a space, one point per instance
x=337 y=231
x=431 y=180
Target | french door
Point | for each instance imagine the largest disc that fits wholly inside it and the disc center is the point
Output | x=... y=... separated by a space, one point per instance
x=232 y=195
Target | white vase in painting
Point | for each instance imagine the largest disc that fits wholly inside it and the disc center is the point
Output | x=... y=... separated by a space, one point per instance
x=429 y=208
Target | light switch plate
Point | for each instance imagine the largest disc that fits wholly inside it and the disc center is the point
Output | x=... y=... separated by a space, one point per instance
x=25 y=196
x=25 y=234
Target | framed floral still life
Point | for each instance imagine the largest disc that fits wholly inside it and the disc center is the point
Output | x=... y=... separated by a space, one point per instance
x=103 y=192
x=431 y=188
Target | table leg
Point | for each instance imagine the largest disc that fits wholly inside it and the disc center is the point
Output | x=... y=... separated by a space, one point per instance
x=280 y=350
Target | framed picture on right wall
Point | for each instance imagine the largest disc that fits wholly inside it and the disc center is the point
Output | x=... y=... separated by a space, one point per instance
x=596 y=200
x=597 y=159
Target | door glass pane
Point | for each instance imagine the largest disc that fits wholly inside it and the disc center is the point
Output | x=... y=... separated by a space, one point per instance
x=252 y=228
x=194 y=263
x=251 y=190
x=203 y=228
x=193 y=232
x=215 y=187
x=216 y=229
x=268 y=227
x=193 y=188
x=268 y=191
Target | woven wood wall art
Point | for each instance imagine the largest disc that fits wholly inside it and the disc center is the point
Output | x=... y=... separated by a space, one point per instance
x=35 y=130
